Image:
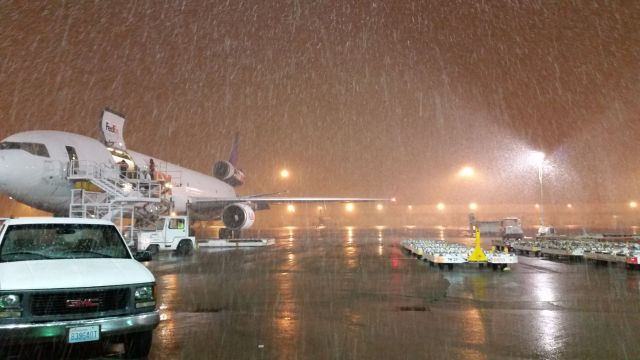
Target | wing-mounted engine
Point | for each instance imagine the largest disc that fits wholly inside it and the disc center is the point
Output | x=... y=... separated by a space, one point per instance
x=238 y=216
x=225 y=171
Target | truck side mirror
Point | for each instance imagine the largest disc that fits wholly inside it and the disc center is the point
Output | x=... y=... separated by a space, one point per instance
x=142 y=256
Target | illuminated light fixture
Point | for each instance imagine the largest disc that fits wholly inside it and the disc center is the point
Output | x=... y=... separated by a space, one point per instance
x=440 y=206
x=291 y=208
x=473 y=206
x=379 y=207
x=537 y=206
x=633 y=204
x=466 y=172
x=569 y=206
x=410 y=207
x=284 y=173
x=349 y=207
x=173 y=213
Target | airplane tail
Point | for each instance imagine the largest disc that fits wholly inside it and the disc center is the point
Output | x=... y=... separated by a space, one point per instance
x=228 y=171
x=233 y=156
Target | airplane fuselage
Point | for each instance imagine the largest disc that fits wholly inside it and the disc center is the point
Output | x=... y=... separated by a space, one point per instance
x=34 y=167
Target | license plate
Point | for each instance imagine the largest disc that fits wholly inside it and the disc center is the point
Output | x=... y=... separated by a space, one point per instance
x=84 y=334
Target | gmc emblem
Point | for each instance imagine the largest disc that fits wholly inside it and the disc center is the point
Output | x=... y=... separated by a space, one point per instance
x=82 y=303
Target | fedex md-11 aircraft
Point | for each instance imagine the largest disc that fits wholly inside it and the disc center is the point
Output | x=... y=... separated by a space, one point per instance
x=34 y=169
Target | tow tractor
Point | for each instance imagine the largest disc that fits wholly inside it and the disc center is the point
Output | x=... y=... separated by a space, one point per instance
x=171 y=233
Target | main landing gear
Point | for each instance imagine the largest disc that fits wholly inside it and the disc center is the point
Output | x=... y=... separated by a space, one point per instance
x=226 y=233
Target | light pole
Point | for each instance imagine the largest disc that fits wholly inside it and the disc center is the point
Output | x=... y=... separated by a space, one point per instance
x=538 y=158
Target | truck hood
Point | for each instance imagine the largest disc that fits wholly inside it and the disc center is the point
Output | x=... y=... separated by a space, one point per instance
x=71 y=273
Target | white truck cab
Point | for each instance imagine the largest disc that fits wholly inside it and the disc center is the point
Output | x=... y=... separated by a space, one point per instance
x=171 y=233
x=73 y=280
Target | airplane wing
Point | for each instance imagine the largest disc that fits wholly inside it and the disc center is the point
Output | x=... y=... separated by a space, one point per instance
x=262 y=202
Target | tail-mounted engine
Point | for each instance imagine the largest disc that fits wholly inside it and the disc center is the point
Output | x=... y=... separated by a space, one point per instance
x=225 y=171
x=238 y=216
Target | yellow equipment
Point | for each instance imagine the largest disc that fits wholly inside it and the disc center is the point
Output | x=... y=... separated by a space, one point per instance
x=477 y=255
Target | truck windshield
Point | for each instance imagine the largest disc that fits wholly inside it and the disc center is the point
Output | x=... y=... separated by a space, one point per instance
x=61 y=241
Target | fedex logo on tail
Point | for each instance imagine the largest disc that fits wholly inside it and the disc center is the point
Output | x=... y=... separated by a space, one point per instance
x=111 y=128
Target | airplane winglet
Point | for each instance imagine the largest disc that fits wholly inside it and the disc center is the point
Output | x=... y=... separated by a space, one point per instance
x=233 y=156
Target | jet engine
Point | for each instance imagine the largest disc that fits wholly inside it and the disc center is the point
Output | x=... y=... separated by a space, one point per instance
x=225 y=171
x=238 y=216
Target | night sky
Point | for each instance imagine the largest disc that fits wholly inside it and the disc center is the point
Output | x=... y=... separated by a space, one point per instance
x=363 y=98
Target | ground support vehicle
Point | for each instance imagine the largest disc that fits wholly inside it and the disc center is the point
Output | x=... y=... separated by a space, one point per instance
x=511 y=228
x=74 y=280
x=526 y=247
x=171 y=234
x=569 y=252
x=501 y=260
x=233 y=243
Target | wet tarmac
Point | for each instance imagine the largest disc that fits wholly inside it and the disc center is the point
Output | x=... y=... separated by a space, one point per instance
x=354 y=294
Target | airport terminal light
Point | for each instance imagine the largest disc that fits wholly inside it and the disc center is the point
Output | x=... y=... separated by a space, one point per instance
x=569 y=206
x=410 y=207
x=284 y=173
x=473 y=206
x=633 y=204
x=466 y=172
x=379 y=207
x=349 y=207
x=291 y=208
x=440 y=206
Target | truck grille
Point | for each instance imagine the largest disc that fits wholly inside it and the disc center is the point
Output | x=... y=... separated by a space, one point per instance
x=79 y=302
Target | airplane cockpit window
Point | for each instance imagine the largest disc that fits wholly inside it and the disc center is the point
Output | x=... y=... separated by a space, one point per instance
x=32 y=148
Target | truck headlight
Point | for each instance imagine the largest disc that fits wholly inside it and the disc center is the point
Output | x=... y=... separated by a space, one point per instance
x=10 y=305
x=144 y=297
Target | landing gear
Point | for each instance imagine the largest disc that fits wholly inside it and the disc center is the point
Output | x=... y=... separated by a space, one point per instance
x=226 y=233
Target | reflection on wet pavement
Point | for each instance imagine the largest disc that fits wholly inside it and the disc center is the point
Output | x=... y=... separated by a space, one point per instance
x=353 y=294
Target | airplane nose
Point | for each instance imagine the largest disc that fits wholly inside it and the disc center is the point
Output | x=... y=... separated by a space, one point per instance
x=3 y=171
x=12 y=170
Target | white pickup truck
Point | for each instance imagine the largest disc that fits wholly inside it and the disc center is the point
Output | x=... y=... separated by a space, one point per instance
x=73 y=281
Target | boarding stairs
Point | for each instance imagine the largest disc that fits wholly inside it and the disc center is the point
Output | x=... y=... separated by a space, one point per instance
x=101 y=192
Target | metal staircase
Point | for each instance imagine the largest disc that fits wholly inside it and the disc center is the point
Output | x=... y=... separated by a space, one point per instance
x=128 y=201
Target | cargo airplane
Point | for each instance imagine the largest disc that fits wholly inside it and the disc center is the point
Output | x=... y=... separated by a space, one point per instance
x=35 y=165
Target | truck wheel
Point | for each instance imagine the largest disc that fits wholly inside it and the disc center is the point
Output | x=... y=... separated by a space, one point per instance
x=137 y=345
x=184 y=248
x=154 y=249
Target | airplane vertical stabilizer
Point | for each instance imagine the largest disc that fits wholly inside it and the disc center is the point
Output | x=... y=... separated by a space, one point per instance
x=112 y=126
x=233 y=156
